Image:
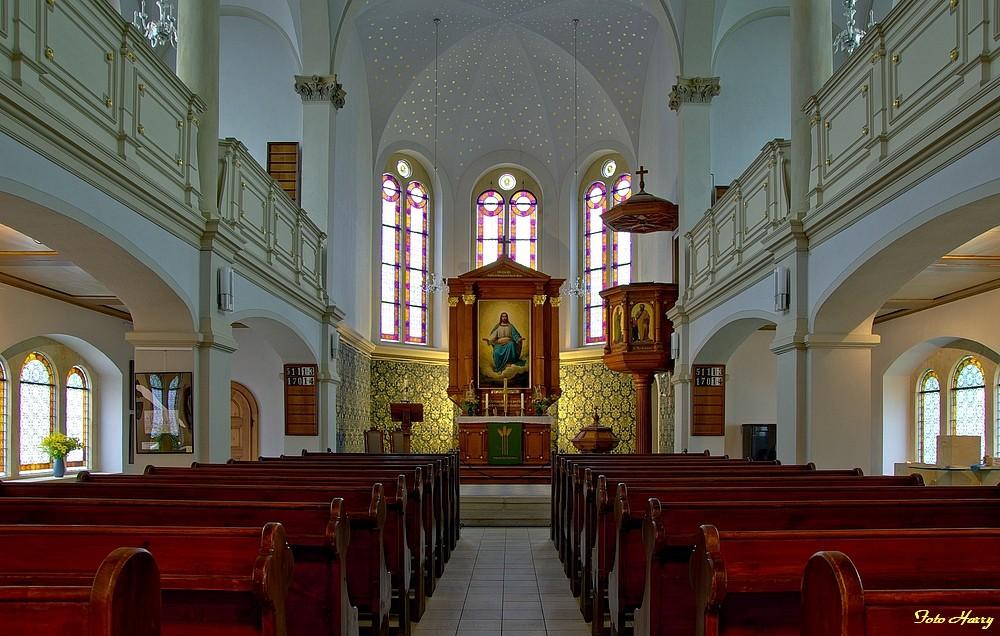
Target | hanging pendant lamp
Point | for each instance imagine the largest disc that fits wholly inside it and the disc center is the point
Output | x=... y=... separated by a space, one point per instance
x=643 y=212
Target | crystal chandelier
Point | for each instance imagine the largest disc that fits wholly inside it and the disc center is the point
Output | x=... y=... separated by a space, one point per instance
x=161 y=32
x=434 y=283
x=850 y=38
x=578 y=289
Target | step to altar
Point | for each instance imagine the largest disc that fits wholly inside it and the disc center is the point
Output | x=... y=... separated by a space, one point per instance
x=519 y=474
x=508 y=505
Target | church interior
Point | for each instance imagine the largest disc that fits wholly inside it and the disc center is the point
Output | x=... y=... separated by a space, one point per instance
x=499 y=317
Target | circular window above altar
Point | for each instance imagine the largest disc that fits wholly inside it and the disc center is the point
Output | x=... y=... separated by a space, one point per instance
x=609 y=168
x=403 y=168
x=507 y=181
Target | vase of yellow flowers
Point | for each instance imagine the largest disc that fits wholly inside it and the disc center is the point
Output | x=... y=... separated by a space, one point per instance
x=58 y=446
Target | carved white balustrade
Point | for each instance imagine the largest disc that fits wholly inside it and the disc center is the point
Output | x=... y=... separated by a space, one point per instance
x=279 y=237
x=728 y=242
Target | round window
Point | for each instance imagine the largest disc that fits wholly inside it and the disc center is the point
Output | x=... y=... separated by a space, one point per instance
x=609 y=168
x=507 y=181
x=403 y=168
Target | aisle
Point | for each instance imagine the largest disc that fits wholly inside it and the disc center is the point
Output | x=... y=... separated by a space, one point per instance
x=503 y=582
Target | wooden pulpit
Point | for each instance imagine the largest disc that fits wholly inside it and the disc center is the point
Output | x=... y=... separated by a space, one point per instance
x=406 y=413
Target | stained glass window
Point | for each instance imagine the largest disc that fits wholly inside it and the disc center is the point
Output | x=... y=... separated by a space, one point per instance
x=415 y=320
x=392 y=233
x=405 y=257
x=523 y=233
x=490 y=226
x=37 y=408
x=78 y=414
x=607 y=255
x=928 y=417
x=969 y=401
x=3 y=420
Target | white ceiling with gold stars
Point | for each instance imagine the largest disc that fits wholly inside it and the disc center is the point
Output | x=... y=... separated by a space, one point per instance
x=506 y=75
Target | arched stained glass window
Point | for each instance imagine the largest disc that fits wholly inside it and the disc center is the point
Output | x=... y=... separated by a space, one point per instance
x=928 y=417
x=417 y=230
x=523 y=233
x=490 y=226
x=78 y=414
x=37 y=409
x=406 y=250
x=392 y=232
x=969 y=401
x=607 y=255
x=3 y=420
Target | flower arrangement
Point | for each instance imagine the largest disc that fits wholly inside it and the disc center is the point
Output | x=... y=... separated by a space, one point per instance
x=167 y=441
x=539 y=400
x=469 y=402
x=59 y=445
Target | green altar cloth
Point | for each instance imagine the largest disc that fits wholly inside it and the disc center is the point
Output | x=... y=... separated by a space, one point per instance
x=503 y=443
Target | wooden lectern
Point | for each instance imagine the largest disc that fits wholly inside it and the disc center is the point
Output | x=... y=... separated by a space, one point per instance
x=406 y=413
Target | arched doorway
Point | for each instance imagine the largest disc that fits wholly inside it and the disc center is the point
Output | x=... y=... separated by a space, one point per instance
x=244 y=423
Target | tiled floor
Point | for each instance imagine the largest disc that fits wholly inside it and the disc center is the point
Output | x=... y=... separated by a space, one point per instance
x=503 y=582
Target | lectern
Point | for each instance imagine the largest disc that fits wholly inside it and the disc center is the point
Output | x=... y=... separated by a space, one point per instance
x=406 y=413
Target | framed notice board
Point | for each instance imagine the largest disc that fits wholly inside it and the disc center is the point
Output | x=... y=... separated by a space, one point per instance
x=301 y=399
x=708 y=409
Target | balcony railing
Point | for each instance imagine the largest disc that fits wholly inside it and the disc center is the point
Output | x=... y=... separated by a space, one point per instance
x=275 y=231
x=729 y=239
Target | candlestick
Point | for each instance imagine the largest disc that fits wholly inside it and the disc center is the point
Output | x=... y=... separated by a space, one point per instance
x=486 y=409
x=522 y=404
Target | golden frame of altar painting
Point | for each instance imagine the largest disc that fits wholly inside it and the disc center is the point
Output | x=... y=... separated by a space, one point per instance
x=499 y=361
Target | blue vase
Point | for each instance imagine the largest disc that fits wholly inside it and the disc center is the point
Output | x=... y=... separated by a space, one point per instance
x=59 y=466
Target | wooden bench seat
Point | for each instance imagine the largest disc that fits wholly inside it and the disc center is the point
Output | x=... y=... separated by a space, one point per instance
x=214 y=580
x=650 y=567
x=835 y=602
x=123 y=600
x=321 y=596
x=746 y=582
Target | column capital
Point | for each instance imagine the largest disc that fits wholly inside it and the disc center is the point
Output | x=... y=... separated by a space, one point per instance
x=693 y=90
x=321 y=88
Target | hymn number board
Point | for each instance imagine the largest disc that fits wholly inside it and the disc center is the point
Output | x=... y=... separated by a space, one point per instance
x=708 y=410
x=301 y=399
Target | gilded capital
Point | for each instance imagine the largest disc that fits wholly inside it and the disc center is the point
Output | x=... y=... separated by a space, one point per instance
x=453 y=301
x=539 y=299
x=321 y=88
x=693 y=90
x=468 y=299
x=555 y=301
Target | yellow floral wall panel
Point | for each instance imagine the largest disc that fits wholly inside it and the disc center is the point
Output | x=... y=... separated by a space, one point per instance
x=587 y=386
x=425 y=383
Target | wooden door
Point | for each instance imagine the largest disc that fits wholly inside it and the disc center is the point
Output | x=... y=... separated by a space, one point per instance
x=243 y=423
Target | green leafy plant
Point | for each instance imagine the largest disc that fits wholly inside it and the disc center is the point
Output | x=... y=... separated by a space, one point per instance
x=167 y=441
x=59 y=445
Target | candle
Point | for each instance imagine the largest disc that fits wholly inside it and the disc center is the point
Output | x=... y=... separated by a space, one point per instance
x=486 y=410
x=522 y=404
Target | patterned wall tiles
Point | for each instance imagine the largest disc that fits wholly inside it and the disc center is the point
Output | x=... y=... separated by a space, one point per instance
x=588 y=386
x=665 y=417
x=426 y=383
x=353 y=398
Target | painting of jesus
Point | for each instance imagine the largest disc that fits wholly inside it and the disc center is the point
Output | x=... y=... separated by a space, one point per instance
x=504 y=326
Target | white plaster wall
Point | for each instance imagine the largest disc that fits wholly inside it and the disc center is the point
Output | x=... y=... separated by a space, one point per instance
x=257 y=99
x=754 y=301
x=753 y=104
x=28 y=315
x=350 y=251
x=258 y=366
x=751 y=385
x=892 y=402
x=253 y=301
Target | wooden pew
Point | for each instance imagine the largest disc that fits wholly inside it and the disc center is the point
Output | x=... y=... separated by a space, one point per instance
x=320 y=600
x=651 y=563
x=214 y=580
x=123 y=600
x=747 y=582
x=242 y=473
x=404 y=553
x=435 y=523
x=836 y=603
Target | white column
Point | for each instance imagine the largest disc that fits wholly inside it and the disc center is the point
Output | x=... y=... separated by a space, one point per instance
x=839 y=431
x=198 y=67
x=322 y=96
x=812 y=64
x=329 y=382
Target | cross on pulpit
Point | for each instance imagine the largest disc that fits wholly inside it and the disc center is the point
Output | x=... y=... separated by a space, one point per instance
x=642 y=172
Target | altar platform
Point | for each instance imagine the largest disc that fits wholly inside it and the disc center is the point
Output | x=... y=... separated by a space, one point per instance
x=523 y=474
x=494 y=505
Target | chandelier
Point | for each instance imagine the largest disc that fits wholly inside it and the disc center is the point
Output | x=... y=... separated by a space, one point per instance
x=850 y=38
x=434 y=283
x=160 y=32
x=578 y=289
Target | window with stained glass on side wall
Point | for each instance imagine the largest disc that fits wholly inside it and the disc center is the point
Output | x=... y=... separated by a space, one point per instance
x=928 y=417
x=3 y=419
x=969 y=400
x=78 y=415
x=36 y=411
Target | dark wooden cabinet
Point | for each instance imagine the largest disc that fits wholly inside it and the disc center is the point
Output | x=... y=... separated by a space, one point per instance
x=537 y=446
x=472 y=443
x=536 y=443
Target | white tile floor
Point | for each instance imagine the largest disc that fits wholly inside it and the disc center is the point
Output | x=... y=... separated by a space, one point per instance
x=503 y=582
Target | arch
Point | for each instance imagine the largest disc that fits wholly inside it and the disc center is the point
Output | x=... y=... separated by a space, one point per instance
x=729 y=333
x=156 y=301
x=287 y=339
x=250 y=13
x=754 y=16
x=851 y=300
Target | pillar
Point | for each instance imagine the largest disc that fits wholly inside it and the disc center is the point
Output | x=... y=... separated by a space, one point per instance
x=329 y=382
x=198 y=67
x=812 y=64
x=643 y=413
x=322 y=96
